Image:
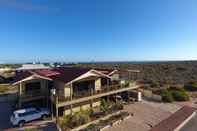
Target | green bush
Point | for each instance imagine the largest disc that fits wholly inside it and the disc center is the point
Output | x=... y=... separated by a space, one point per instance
x=180 y=95
x=72 y=121
x=78 y=119
x=105 y=106
x=174 y=95
x=167 y=96
x=191 y=86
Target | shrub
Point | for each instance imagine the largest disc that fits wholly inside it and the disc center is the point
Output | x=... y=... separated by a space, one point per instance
x=90 y=111
x=105 y=106
x=63 y=122
x=191 y=86
x=180 y=95
x=167 y=96
x=117 y=106
x=92 y=127
x=77 y=119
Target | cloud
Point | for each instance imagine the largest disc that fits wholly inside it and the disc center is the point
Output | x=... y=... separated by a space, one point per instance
x=27 y=6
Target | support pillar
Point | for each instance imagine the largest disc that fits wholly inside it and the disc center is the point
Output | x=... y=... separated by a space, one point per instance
x=20 y=95
x=91 y=101
x=56 y=106
x=128 y=95
x=108 y=89
x=71 y=97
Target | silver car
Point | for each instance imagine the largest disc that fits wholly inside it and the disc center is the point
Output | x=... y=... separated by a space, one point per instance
x=20 y=117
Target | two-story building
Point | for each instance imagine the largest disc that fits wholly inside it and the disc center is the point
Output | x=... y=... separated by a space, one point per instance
x=75 y=88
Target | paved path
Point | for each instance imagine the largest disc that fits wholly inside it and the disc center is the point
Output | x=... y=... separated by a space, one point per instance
x=191 y=125
x=146 y=114
x=175 y=120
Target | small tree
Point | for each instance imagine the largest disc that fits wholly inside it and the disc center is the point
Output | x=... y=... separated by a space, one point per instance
x=167 y=96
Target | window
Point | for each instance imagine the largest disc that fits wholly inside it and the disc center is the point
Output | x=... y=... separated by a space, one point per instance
x=28 y=113
x=32 y=86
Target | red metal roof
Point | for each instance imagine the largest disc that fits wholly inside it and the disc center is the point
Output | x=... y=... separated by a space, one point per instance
x=47 y=72
x=65 y=74
x=68 y=74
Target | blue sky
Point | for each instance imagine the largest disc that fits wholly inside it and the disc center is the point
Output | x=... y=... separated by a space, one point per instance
x=97 y=30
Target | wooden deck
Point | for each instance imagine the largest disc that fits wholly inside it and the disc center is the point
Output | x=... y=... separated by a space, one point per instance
x=95 y=96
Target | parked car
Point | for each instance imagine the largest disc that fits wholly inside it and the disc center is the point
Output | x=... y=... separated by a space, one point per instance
x=20 y=117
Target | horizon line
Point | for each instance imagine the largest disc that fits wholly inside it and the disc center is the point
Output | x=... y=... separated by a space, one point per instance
x=110 y=61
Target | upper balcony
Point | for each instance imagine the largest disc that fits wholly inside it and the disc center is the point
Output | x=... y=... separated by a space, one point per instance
x=80 y=96
x=33 y=95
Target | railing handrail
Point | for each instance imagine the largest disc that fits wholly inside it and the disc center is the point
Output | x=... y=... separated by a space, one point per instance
x=104 y=89
x=33 y=93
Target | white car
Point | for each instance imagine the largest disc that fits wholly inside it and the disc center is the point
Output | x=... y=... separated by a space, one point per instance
x=20 y=117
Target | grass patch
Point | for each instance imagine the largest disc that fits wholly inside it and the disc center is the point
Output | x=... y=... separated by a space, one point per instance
x=4 y=88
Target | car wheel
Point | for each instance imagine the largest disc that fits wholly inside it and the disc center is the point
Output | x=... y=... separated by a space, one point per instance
x=44 y=117
x=21 y=123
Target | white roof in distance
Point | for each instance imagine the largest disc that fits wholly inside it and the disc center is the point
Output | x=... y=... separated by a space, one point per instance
x=32 y=67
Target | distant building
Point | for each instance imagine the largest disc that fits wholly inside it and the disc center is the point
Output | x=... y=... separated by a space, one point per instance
x=32 y=67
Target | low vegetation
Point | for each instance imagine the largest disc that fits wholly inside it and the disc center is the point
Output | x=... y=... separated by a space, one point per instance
x=103 y=123
x=108 y=107
x=85 y=116
x=4 y=88
x=74 y=120
x=157 y=74
x=191 y=86
x=167 y=96
x=170 y=95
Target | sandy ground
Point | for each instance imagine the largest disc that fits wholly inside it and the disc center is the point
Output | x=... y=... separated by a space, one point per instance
x=146 y=114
